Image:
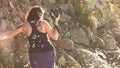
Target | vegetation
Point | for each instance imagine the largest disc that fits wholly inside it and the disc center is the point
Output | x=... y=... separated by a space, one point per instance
x=83 y=16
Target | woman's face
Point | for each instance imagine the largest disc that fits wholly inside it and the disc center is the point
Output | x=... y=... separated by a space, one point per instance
x=40 y=15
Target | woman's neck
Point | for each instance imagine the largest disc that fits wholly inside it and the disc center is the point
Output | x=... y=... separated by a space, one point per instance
x=41 y=19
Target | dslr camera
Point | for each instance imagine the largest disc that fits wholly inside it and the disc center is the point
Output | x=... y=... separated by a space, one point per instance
x=56 y=11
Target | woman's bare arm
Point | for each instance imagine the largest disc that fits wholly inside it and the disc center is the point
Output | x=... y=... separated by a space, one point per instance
x=12 y=33
x=52 y=33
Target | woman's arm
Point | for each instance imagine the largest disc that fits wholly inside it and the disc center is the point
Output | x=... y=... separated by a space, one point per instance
x=52 y=33
x=44 y=26
x=12 y=33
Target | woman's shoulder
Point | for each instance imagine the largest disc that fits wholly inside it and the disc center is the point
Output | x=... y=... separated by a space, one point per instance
x=45 y=22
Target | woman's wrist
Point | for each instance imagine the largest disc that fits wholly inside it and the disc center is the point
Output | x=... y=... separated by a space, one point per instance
x=56 y=27
x=56 y=22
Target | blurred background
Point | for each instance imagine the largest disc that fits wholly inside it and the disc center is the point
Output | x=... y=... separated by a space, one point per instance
x=89 y=33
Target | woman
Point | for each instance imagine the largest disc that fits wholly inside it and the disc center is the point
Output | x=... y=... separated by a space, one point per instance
x=37 y=30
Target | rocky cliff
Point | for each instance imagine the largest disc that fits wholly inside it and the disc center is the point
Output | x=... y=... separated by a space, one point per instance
x=89 y=33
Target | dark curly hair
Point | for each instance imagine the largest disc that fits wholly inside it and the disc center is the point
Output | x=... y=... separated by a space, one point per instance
x=32 y=14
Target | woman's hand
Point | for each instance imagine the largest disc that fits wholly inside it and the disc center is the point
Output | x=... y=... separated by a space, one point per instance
x=56 y=20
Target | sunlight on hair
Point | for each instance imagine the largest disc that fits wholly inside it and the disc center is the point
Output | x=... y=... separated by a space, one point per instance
x=43 y=11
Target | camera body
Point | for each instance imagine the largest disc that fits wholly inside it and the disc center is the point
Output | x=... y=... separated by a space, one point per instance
x=56 y=11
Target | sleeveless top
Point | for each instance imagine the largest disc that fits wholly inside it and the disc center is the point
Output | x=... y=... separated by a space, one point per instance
x=39 y=42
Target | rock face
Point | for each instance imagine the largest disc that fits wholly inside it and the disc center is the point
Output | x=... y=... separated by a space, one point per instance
x=89 y=33
x=6 y=47
x=88 y=59
x=65 y=43
x=79 y=36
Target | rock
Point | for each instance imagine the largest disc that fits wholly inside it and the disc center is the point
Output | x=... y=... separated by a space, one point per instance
x=52 y=1
x=4 y=2
x=67 y=61
x=68 y=7
x=89 y=33
x=6 y=46
x=6 y=54
x=21 y=51
x=116 y=34
x=62 y=61
x=110 y=42
x=71 y=62
x=65 y=44
x=1 y=14
x=1 y=65
x=113 y=57
x=79 y=36
x=92 y=4
x=61 y=1
x=90 y=60
x=98 y=43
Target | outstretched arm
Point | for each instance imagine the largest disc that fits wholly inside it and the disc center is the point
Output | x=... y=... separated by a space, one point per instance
x=12 y=33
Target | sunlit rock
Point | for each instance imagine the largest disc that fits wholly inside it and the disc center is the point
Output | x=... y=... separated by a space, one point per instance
x=6 y=46
x=89 y=59
x=98 y=43
x=71 y=62
x=78 y=35
x=110 y=42
x=65 y=44
x=62 y=61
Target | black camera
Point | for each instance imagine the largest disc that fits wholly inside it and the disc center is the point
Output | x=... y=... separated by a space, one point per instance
x=56 y=11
